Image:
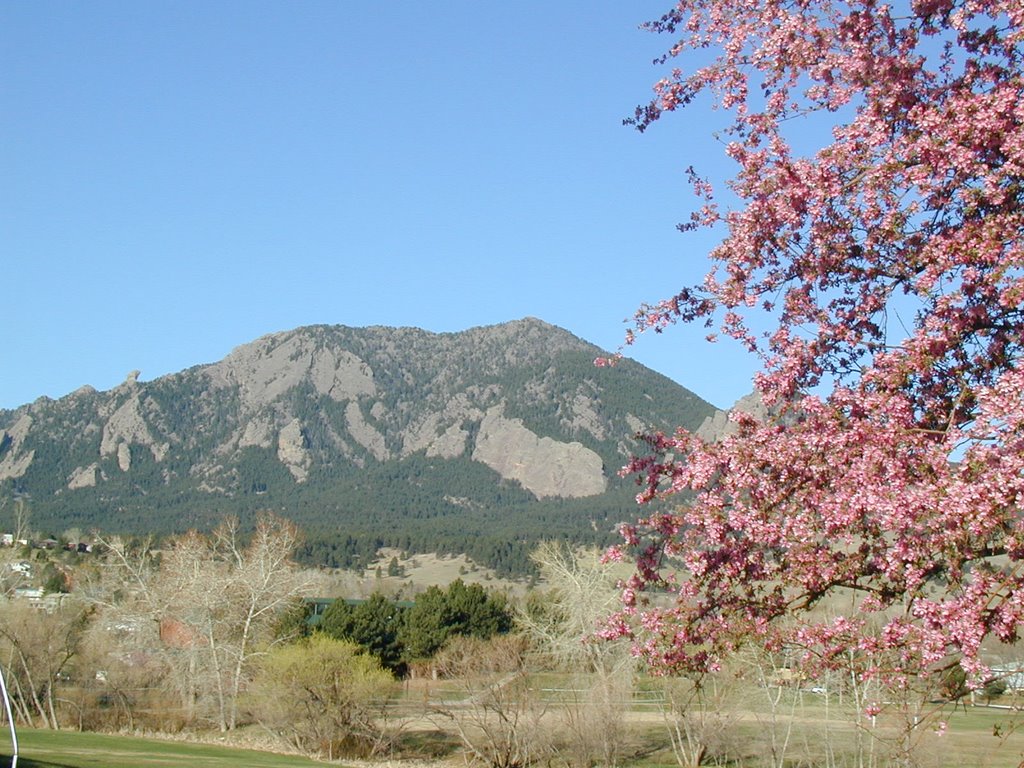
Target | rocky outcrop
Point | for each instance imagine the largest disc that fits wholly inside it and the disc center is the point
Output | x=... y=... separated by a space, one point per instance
x=449 y=444
x=127 y=425
x=258 y=433
x=341 y=375
x=293 y=452
x=83 y=477
x=268 y=368
x=543 y=466
x=719 y=425
x=585 y=416
x=364 y=433
x=16 y=461
x=444 y=433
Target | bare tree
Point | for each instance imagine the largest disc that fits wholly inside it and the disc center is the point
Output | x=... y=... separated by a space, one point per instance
x=563 y=622
x=22 y=521
x=701 y=713
x=36 y=649
x=134 y=597
x=582 y=592
x=262 y=581
x=498 y=717
x=213 y=600
x=119 y=683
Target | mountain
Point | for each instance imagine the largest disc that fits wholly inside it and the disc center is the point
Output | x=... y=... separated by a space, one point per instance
x=481 y=441
x=718 y=425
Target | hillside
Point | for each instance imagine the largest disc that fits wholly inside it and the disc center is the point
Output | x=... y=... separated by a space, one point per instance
x=481 y=442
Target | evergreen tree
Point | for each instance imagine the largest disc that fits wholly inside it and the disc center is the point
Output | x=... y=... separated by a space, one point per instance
x=374 y=624
x=427 y=625
x=337 y=620
x=460 y=610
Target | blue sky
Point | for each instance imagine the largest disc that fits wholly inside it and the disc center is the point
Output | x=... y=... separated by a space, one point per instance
x=183 y=177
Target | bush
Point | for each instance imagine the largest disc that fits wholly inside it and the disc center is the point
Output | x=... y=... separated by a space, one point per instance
x=322 y=695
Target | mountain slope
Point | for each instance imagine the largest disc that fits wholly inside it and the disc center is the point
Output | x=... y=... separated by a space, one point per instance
x=366 y=436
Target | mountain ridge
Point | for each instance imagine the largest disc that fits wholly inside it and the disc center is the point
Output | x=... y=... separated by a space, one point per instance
x=512 y=416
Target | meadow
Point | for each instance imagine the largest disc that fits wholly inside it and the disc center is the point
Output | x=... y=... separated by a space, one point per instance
x=72 y=749
x=981 y=737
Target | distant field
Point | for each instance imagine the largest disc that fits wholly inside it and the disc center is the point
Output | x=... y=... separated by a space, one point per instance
x=816 y=735
x=69 y=749
x=431 y=569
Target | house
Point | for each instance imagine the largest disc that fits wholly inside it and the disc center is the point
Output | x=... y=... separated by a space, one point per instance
x=32 y=594
x=1011 y=674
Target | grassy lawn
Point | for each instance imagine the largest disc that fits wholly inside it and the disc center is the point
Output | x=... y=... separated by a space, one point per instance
x=979 y=738
x=69 y=749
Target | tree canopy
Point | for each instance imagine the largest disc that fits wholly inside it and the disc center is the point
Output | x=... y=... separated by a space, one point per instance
x=397 y=633
x=879 y=275
x=466 y=610
x=373 y=624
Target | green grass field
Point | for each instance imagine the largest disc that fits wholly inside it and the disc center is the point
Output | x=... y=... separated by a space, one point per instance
x=978 y=738
x=69 y=749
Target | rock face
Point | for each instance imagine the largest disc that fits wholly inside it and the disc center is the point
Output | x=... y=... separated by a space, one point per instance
x=292 y=450
x=543 y=466
x=127 y=426
x=719 y=425
x=364 y=433
x=319 y=403
x=83 y=477
x=15 y=458
x=268 y=368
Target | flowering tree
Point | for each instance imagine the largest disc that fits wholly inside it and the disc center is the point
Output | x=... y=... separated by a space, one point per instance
x=887 y=265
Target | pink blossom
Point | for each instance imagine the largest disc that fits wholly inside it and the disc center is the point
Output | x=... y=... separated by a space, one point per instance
x=889 y=259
